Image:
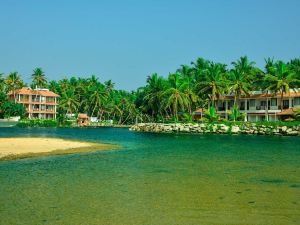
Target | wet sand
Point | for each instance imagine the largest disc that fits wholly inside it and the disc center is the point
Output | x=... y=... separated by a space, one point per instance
x=14 y=148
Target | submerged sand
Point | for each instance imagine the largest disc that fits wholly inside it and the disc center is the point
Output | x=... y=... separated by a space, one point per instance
x=13 y=148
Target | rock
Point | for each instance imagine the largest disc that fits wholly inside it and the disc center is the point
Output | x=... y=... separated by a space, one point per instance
x=235 y=129
x=245 y=128
x=293 y=133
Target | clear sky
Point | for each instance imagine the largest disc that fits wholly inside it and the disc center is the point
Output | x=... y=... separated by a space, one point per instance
x=127 y=40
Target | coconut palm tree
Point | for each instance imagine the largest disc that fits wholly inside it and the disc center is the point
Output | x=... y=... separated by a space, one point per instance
x=13 y=82
x=281 y=79
x=97 y=99
x=109 y=86
x=38 y=78
x=175 y=98
x=294 y=65
x=188 y=83
x=239 y=84
x=1 y=83
x=69 y=101
x=213 y=84
x=153 y=97
x=240 y=78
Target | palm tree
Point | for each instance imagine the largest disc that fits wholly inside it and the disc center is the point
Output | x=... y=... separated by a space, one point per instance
x=240 y=78
x=97 y=99
x=175 y=98
x=38 y=78
x=13 y=82
x=154 y=90
x=109 y=86
x=1 y=83
x=188 y=85
x=213 y=84
x=239 y=84
x=69 y=101
x=294 y=65
x=281 y=79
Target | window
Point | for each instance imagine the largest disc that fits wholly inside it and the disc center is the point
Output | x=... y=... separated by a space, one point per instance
x=274 y=102
x=252 y=102
x=297 y=101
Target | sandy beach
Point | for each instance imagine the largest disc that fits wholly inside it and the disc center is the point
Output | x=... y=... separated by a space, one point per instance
x=13 y=148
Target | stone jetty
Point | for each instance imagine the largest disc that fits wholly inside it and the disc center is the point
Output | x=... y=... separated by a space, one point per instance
x=238 y=128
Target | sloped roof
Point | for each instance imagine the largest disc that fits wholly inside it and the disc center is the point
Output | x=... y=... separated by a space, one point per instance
x=270 y=95
x=288 y=112
x=29 y=91
x=82 y=116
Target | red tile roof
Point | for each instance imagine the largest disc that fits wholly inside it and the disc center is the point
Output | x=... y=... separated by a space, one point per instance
x=82 y=116
x=29 y=91
x=288 y=112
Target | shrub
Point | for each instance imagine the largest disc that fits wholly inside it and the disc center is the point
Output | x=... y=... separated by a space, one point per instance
x=37 y=123
x=212 y=114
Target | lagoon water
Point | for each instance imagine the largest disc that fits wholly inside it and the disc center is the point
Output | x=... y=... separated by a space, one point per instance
x=154 y=179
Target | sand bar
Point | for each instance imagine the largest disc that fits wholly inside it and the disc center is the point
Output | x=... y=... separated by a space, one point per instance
x=14 y=148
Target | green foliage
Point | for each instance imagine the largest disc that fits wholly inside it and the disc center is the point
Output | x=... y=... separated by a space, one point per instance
x=212 y=114
x=281 y=78
x=161 y=99
x=37 y=123
x=297 y=116
x=235 y=114
x=9 y=109
x=38 y=78
x=13 y=82
x=187 y=118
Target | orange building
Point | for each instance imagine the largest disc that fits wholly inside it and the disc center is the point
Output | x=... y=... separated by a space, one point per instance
x=39 y=103
x=83 y=119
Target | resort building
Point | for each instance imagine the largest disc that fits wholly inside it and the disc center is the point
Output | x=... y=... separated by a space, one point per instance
x=83 y=119
x=261 y=106
x=39 y=103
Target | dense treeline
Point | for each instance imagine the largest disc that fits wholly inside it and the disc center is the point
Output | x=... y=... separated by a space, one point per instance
x=188 y=88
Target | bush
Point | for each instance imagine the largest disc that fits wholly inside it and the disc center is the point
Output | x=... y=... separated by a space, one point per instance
x=236 y=115
x=9 y=108
x=37 y=123
x=212 y=114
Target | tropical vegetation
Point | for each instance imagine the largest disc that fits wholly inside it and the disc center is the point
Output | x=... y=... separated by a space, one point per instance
x=165 y=98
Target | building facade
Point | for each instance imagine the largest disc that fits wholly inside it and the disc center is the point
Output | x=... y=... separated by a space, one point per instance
x=39 y=103
x=260 y=106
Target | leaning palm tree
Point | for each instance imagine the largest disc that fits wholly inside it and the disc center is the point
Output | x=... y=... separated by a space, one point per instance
x=281 y=79
x=97 y=99
x=13 y=82
x=38 y=78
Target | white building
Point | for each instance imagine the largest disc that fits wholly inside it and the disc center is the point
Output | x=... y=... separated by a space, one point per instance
x=260 y=106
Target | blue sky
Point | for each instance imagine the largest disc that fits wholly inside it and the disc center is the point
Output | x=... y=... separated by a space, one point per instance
x=128 y=40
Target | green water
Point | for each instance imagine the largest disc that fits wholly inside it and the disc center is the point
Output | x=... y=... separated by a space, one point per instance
x=154 y=179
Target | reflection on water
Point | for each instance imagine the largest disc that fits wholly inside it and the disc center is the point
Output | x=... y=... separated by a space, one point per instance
x=155 y=179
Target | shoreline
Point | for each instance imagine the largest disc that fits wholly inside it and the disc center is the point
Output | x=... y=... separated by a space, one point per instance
x=12 y=148
x=220 y=128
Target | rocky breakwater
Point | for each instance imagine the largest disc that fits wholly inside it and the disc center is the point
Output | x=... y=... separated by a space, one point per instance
x=243 y=128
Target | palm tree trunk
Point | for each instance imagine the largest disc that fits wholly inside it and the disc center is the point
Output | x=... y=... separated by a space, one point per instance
x=235 y=100
x=267 y=106
x=281 y=100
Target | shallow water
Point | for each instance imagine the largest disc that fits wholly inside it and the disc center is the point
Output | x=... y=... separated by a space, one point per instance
x=154 y=179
